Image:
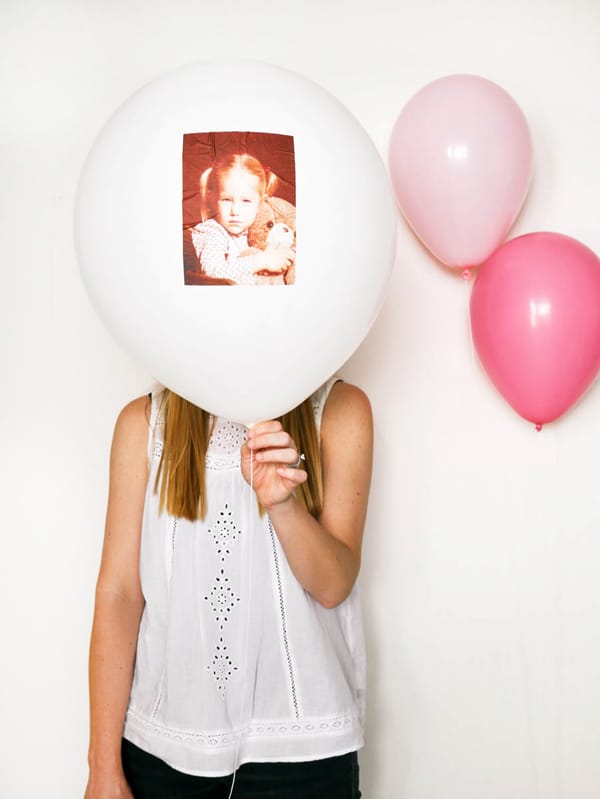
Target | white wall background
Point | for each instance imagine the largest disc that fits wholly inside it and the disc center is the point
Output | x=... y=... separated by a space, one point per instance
x=480 y=574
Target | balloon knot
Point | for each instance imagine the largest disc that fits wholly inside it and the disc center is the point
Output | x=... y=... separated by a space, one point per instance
x=538 y=426
x=466 y=274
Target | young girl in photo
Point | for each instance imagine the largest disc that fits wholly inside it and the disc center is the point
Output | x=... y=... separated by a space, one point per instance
x=232 y=191
x=227 y=656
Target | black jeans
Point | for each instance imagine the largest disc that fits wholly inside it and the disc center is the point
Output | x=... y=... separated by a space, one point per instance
x=331 y=778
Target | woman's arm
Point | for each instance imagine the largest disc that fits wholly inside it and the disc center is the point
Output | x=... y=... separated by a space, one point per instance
x=323 y=554
x=119 y=603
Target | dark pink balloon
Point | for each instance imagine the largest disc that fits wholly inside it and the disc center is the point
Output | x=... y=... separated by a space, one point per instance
x=535 y=317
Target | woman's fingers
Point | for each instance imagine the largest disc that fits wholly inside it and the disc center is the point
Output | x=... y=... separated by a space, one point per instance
x=276 y=440
x=287 y=455
x=269 y=444
x=297 y=476
x=270 y=426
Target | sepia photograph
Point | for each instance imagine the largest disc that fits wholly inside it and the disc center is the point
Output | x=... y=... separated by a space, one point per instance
x=239 y=209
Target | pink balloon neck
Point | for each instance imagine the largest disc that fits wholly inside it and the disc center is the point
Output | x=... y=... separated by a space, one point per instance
x=538 y=426
x=466 y=273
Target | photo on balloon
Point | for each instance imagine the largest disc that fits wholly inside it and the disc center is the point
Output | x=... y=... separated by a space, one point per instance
x=239 y=209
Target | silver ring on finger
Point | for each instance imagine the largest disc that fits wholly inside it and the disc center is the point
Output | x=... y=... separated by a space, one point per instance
x=301 y=457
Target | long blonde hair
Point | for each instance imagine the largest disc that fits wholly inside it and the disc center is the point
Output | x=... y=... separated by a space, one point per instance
x=181 y=476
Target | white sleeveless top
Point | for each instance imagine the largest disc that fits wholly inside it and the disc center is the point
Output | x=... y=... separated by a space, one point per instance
x=236 y=662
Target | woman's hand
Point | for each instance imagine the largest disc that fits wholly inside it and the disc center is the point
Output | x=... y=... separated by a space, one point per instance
x=267 y=463
x=111 y=785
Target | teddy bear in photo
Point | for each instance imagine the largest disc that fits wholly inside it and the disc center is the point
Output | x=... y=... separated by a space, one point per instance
x=274 y=226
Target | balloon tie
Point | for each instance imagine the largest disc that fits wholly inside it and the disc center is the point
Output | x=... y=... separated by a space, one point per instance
x=466 y=274
x=539 y=426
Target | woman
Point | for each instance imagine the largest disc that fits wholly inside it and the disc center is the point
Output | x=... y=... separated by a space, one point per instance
x=229 y=566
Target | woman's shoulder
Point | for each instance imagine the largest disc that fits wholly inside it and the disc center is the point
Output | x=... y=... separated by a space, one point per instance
x=134 y=418
x=346 y=405
x=130 y=441
x=347 y=395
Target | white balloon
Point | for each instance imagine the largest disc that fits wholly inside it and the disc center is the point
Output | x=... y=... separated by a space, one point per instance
x=242 y=352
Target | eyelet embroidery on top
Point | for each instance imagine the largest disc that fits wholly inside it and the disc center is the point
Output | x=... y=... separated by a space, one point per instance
x=268 y=728
x=284 y=632
x=223 y=450
x=227 y=437
x=221 y=598
x=222 y=667
x=224 y=532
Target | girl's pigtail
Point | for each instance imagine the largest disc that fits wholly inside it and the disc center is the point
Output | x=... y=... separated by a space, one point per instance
x=205 y=210
x=272 y=183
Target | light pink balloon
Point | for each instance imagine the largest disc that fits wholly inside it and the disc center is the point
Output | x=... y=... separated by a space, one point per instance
x=460 y=160
x=535 y=317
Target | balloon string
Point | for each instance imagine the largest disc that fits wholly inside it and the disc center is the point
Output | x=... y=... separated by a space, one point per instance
x=469 y=325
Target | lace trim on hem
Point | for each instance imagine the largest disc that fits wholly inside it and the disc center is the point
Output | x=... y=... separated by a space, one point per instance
x=269 y=729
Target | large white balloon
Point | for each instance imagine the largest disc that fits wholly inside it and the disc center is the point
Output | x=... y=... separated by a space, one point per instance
x=243 y=352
